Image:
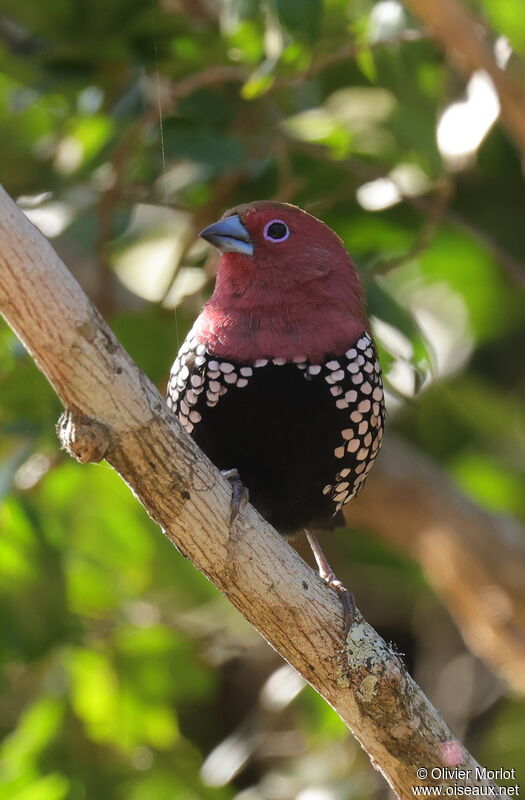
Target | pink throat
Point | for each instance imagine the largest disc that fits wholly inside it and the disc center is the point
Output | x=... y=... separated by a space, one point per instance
x=286 y=333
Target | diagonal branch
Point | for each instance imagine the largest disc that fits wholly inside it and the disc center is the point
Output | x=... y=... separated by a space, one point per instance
x=463 y=38
x=474 y=559
x=113 y=411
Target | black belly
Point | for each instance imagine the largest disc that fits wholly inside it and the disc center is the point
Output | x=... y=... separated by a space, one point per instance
x=302 y=436
x=280 y=432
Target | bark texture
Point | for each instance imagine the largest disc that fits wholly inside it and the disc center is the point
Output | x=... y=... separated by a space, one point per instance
x=113 y=410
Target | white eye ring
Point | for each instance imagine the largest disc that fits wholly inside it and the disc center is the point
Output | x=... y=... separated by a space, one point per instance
x=281 y=236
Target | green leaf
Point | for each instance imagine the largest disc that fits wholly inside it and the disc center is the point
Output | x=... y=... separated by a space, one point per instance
x=303 y=18
x=383 y=305
x=507 y=18
x=48 y=787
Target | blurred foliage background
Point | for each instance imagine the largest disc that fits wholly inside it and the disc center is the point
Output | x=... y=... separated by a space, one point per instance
x=125 y=127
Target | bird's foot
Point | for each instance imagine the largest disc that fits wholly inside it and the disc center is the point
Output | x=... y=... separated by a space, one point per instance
x=328 y=575
x=347 y=599
x=240 y=494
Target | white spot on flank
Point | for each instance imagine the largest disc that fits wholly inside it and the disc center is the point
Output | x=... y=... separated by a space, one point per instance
x=363 y=427
x=356 y=416
x=353 y=445
x=336 y=390
x=195 y=416
x=246 y=372
x=226 y=367
x=327 y=488
x=353 y=367
x=231 y=377
x=279 y=361
x=315 y=369
x=213 y=365
x=241 y=383
x=347 y=434
x=333 y=365
x=261 y=362
x=366 y=388
x=351 y=354
x=344 y=473
x=357 y=379
x=364 y=406
x=339 y=452
x=214 y=386
x=338 y=375
x=362 y=454
x=351 y=396
x=341 y=403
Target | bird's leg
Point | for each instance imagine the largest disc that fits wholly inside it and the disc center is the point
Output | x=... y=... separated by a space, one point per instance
x=327 y=574
x=240 y=494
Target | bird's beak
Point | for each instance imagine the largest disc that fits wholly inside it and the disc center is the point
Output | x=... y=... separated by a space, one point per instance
x=229 y=236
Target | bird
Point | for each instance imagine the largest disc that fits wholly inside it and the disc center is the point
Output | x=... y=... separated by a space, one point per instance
x=278 y=381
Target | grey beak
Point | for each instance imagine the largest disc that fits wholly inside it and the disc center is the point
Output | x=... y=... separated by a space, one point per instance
x=229 y=236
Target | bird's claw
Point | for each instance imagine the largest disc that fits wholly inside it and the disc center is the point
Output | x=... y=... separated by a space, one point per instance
x=327 y=574
x=347 y=599
x=240 y=494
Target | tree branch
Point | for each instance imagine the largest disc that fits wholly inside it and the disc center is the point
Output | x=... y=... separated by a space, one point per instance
x=475 y=560
x=113 y=410
x=462 y=36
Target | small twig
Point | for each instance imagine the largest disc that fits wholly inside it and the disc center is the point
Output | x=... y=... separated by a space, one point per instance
x=287 y=183
x=223 y=190
x=514 y=268
x=353 y=49
x=437 y=211
x=105 y=287
x=364 y=172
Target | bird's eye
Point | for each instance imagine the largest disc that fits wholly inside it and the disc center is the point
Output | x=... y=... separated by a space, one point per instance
x=276 y=231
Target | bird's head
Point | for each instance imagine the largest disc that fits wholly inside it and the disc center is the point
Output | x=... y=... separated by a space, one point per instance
x=278 y=244
x=278 y=261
